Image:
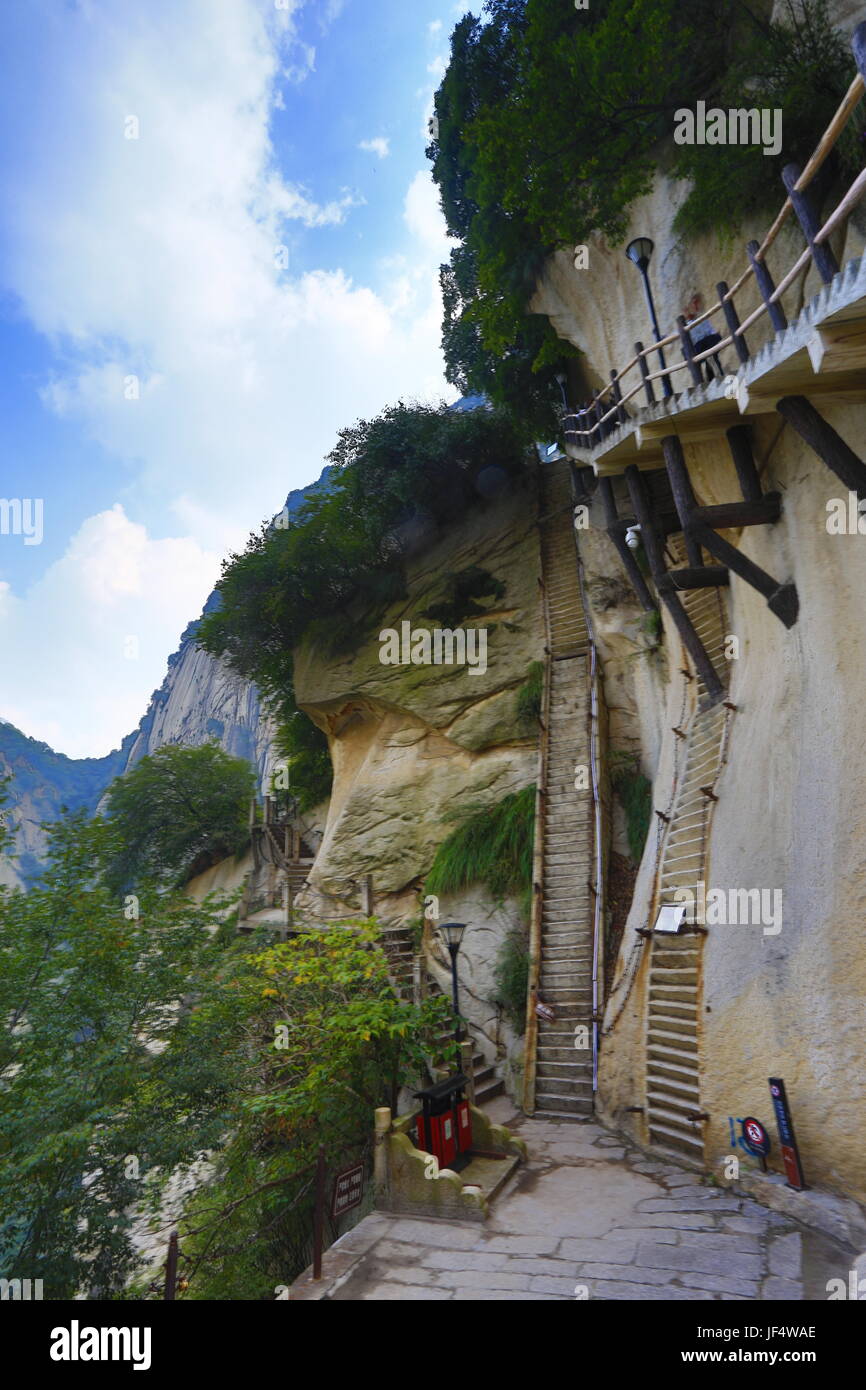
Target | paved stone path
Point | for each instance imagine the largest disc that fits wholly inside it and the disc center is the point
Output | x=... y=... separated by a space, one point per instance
x=587 y=1217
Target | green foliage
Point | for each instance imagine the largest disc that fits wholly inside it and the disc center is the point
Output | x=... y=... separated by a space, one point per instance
x=800 y=65
x=179 y=809
x=304 y=747
x=491 y=845
x=635 y=793
x=322 y=1042
x=401 y=478
x=511 y=978
x=651 y=625
x=531 y=693
x=460 y=594
x=134 y=1040
x=83 y=985
x=551 y=121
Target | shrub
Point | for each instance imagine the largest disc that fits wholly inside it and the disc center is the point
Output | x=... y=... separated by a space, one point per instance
x=491 y=845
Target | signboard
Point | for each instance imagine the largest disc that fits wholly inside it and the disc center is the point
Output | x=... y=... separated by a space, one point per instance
x=756 y=1139
x=670 y=917
x=348 y=1190
x=787 y=1138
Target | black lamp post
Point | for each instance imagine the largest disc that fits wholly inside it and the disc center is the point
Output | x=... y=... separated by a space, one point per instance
x=639 y=252
x=452 y=935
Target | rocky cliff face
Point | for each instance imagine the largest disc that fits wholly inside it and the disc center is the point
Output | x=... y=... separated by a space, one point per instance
x=199 y=700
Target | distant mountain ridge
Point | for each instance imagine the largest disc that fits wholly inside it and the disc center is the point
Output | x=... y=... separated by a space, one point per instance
x=199 y=699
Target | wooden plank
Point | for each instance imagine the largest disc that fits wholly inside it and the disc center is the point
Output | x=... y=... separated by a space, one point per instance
x=838 y=347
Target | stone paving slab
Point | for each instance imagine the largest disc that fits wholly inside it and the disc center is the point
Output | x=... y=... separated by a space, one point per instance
x=588 y=1217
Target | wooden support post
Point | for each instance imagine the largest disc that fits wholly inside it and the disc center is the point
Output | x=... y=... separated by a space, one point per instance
x=706 y=577
x=761 y=513
x=740 y=445
x=171 y=1269
x=732 y=319
x=824 y=440
x=764 y=281
x=614 y=530
x=367 y=895
x=690 y=639
x=688 y=350
x=621 y=416
x=781 y=598
x=319 y=1213
x=644 y=371
x=380 y=1152
x=825 y=262
x=466 y=1050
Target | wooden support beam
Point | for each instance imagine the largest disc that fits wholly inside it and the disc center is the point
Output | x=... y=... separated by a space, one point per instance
x=732 y=319
x=740 y=445
x=706 y=577
x=691 y=641
x=826 y=443
x=781 y=598
x=825 y=262
x=764 y=281
x=616 y=530
x=759 y=513
x=622 y=417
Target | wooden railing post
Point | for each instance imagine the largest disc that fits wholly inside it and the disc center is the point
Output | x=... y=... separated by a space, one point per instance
x=764 y=281
x=644 y=371
x=825 y=262
x=689 y=350
x=617 y=396
x=732 y=320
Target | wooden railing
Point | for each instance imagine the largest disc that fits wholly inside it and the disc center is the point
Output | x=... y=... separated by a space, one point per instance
x=586 y=428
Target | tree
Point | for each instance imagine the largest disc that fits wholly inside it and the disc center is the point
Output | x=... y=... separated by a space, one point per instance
x=135 y=1039
x=551 y=120
x=176 y=808
x=88 y=995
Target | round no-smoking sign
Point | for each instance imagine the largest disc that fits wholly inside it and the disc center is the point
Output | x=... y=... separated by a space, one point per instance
x=756 y=1138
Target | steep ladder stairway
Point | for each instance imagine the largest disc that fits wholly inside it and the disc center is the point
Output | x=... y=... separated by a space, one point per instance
x=563 y=1084
x=673 y=1093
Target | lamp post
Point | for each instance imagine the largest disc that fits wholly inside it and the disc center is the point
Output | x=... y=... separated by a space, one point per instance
x=562 y=380
x=452 y=935
x=639 y=252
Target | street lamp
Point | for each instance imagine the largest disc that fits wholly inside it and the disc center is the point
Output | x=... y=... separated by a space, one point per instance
x=452 y=935
x=639 y=252
x=562 y=380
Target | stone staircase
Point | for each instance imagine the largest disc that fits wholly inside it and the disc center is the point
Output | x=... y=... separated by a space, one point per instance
x=563 y=1084
x=398 y=947
x=673 y=1092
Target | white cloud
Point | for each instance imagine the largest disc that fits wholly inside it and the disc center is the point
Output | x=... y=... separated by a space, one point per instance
x=434 y=26
x=423 y=215
x=379 y=146
x=157 y=258
x=115 y=592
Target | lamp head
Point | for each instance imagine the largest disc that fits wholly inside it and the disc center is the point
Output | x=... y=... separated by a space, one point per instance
x=452 y=934
x=639 y=252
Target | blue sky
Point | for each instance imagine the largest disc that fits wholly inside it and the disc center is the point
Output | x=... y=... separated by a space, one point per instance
x=219 y=243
